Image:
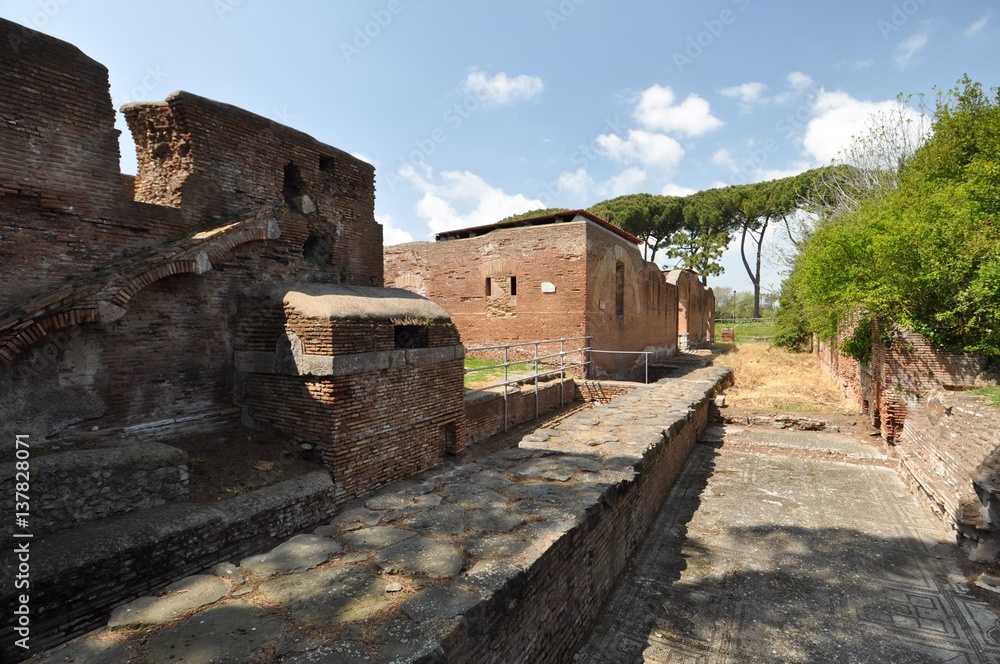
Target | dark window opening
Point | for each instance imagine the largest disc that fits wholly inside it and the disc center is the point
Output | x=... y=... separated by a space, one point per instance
x=513 y=286
x=411 y=336
x=318 y=250
x=620 y=289
x=327 y=164
x=294 y=186
x=489 y=286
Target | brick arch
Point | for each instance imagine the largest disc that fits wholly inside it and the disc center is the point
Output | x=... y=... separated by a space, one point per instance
x=499 y=267
x=411 y=282
x=109 y=309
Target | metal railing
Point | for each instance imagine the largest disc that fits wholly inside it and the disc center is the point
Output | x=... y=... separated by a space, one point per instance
x=645 y=356
x=537 y=359
x=544 y=363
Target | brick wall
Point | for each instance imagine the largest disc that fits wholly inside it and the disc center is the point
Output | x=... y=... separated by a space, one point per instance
x=566 y=280
x=904 y=368
x=212 y=158
x=544 y=613
x=695 y=308
x=323 y=365
x=484 y=411
x=949 y=445
x=79 y=576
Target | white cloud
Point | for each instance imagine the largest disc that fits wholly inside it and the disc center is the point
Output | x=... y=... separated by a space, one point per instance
x=748 y=93
x=577 y=183
x=671 y=189
x=390 y=234
x=905 y=54
x=629 y=181
x=978 y=26
x=838 y=118
x=799 y=81
x=650 y=149
x=501 y=89
x=657 y=110
x=462 y=199
x=723 y=157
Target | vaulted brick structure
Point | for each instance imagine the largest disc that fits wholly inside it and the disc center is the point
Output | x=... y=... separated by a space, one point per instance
x=562 y=275
x=120 y=297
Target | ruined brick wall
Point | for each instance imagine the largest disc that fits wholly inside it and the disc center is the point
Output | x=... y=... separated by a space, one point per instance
x=455 y=273
x=57 y=124
x=630 y=306
x=216 y=159
x=950 y=446
x=905 y=367
x=695 y=309
x=161 y=346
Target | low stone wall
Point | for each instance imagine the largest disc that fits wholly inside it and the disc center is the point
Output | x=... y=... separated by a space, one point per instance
x=542 y=614
x=484 y=410
x=507 y=559
x=603 y=391
x=78 y=576
x=950 y=445
x=70 y=488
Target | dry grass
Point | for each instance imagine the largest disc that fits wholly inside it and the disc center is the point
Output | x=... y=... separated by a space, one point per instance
x=773 y=379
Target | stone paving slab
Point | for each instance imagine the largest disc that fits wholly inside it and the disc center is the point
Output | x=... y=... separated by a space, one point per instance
x=758 y=556
x=389 y=577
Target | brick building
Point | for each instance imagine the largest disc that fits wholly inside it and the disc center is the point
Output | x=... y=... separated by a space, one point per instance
x=121 y=298
x=695 y=309
x=563 y=275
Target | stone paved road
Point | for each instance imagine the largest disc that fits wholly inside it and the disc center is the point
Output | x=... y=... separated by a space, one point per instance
x=794 y=547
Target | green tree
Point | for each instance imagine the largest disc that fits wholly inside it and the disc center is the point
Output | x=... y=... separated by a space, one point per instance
x=652 y=219
x=924 y=252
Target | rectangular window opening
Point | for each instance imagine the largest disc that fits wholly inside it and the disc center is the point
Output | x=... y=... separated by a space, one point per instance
x=408 y=337
x=513 y=286
x=489 y=286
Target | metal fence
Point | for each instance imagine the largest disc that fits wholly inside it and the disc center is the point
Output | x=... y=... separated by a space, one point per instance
x=574 y=356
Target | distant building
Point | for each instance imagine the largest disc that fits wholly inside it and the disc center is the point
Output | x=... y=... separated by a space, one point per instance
x=569 y=274
x=695 y=309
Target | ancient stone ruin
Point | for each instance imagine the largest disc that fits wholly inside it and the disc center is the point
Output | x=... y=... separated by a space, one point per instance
x=236 y=278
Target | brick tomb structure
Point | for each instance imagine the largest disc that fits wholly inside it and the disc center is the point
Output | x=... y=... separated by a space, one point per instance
x=372 y=375
x=563 y=275
x=130 y=308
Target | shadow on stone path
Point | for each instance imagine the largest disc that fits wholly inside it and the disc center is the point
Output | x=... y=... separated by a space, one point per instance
x=794 y=547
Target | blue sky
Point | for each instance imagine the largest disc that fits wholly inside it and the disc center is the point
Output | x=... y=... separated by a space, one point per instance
x=472 y=111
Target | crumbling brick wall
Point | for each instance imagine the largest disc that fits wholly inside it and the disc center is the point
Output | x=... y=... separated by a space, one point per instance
x=695 y=309
x=110 y=351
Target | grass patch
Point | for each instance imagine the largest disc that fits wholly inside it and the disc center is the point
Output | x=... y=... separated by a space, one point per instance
x=992 y=394
x=494 y=374
x=773 y=379
x=756 y=332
